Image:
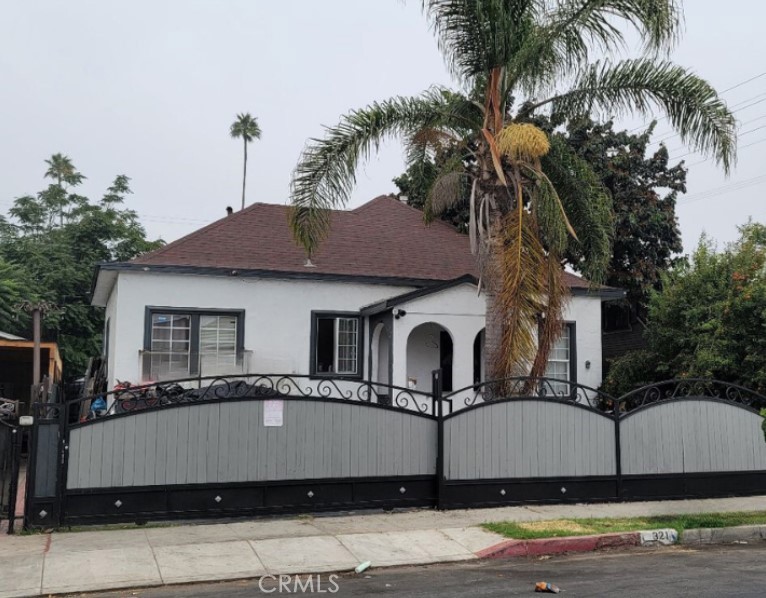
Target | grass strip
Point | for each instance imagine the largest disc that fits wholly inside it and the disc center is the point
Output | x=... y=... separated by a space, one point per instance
x=559 y=528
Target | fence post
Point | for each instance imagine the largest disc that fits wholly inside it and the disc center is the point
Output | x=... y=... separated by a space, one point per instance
x=14 y=484
x=617 y=447
x=436 y=389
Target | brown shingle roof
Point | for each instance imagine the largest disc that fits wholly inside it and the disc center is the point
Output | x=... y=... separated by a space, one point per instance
x=383 y=238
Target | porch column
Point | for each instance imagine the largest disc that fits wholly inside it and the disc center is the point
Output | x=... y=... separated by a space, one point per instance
x=462 y=361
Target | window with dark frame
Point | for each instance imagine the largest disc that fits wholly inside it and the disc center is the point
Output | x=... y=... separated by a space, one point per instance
x=336 y=344
x=184 y=342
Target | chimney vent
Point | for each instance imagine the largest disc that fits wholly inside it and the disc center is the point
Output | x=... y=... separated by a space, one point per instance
x=229 y=211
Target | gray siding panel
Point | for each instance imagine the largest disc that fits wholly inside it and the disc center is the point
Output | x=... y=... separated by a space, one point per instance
x=528 y=439
x=46 y=460
x=692 y=436
x=227 y=442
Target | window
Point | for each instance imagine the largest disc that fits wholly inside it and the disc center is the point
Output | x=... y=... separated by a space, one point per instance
x=170 y=346
x=561 y=361
x=181 y=343
x=217 y=344
x=336 y=344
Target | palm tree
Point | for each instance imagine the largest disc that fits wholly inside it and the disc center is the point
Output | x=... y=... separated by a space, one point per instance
x=245 y=128
x=529 y=194
x=63 y=171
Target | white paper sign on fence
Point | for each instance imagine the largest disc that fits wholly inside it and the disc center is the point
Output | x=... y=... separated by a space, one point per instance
x=273 y=413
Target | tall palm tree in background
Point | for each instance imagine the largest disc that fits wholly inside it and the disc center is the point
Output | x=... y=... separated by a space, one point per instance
x=245 y=128
x=63 y=171
x=529 y=194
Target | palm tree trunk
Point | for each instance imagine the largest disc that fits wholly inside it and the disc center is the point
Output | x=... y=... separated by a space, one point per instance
x=244 y=176
x=493 y=337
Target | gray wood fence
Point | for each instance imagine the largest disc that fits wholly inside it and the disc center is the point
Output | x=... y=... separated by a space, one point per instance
x=227 y=442
x=690 y=436
x=528 y=438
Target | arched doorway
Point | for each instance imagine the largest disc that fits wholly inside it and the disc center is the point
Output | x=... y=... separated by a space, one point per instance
x=429 y=347
x=479 y=369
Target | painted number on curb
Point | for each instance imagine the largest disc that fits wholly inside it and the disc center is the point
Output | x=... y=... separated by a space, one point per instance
x=659 y=536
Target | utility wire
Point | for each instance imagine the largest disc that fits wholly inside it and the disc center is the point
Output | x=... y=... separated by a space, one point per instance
x=722 y=190
x=728 y=89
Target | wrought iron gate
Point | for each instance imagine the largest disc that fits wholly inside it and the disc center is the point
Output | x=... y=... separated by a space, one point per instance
x=10 y=457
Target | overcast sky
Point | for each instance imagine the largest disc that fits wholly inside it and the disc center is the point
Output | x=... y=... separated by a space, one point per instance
x=148 y=88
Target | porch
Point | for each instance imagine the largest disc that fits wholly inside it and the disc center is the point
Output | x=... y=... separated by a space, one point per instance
x=413 y=334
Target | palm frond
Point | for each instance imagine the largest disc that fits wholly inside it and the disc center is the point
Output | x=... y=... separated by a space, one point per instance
x=326 y=172
x=549 y=213
x=557 y=296
x=573 y=29
x=448 y=190
x=587 y=204
x=476 y=36
x=691 y=104
x=520 y=265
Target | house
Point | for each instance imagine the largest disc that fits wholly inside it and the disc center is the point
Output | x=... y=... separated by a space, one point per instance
x=385 y=298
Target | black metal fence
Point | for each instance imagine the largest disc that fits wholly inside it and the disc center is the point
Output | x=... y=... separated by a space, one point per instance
x=10 y=456
x=139 y=453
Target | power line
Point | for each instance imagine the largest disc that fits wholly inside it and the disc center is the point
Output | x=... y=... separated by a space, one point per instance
x=728 y=89
x=738 y=149
x=675 y=149
x=733 y=112
x=724 y=189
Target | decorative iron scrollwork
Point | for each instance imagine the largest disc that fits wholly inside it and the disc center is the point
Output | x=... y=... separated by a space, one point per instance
x=528 y=387
x=685 y=388
x=131 y=398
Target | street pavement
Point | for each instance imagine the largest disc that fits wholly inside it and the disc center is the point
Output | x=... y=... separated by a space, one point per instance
x=83 y=561
x=673 y=572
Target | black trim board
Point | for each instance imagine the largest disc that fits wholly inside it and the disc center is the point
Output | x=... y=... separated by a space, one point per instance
x=388 y=304
x=693 y=485
x=146 y=503
x=460 y=494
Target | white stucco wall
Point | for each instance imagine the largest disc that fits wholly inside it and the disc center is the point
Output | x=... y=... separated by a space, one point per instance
x=278 y=320
x=277 y=314
x=461 y=311
x=585 y=311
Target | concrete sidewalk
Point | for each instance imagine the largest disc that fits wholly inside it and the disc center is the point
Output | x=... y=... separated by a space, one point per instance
x=111 y=559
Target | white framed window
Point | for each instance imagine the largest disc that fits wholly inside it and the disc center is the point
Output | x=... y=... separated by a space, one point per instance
x=170 y=346
x=561 y=362
x=336 y=344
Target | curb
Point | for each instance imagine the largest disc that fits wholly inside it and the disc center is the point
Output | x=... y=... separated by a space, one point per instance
x=546 y=546
x=741 y=534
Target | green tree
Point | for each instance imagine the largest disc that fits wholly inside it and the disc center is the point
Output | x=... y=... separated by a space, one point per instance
x=644 y=188
x=709 y=320
x=245 y=128
x=528 y=190
x=12 y=290
x=55 y=259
